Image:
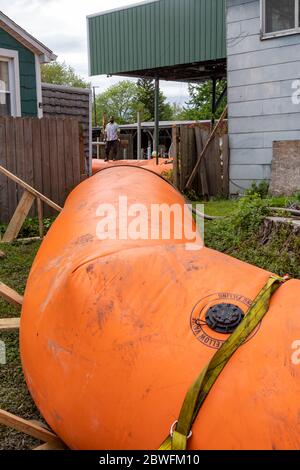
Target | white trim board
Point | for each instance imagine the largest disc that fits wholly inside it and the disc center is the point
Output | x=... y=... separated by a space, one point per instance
x=39 y=96
x=88 y=47
x=13 y=57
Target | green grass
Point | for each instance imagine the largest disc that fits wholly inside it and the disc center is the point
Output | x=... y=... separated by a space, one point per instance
x=14 y=396
x=239 y=234
x=226 y=207
x=220 y=208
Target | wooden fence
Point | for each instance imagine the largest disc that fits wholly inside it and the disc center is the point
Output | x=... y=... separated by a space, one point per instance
x=212 y=178
x=46 y=153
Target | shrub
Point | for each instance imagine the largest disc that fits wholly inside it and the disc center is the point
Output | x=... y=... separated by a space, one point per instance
x=261 y=189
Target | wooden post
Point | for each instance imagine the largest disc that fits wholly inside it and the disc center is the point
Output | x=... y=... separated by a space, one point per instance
x=213 y=107
x=30 y=189
x=40 y=217
x=225 y=159
x=211 y=137
x=10 y=295
x=27 y=427
x=98 y=149
x=175 y=143
x=58 y=446
x=9 y=324
x=24 y=207
x=19 y=217
x=203 y=174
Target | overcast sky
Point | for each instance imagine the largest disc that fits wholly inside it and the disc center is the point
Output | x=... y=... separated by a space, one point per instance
x=61 y=25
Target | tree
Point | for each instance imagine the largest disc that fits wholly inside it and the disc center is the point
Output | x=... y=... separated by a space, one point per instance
x=146 y=97
x=199 y=107
x=120 y=101
x=59 y=73
x=177 y=111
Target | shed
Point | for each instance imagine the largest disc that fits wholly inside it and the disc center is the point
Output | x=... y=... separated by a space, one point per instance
x=180 y=40
x=169 y=39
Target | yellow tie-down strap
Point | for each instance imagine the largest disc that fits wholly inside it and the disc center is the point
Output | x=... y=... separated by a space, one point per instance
x=198 y=392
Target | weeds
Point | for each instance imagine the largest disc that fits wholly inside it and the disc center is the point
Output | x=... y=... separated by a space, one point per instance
x=240 y=235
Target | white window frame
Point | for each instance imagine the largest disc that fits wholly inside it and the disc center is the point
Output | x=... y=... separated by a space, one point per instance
x=277 y=34
x=39 y=95
x=14 y=79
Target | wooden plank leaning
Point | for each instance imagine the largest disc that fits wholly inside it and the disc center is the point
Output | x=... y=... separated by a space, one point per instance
x=211 y=137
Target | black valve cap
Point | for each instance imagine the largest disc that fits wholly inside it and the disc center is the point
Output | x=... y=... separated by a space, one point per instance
x=224 y=318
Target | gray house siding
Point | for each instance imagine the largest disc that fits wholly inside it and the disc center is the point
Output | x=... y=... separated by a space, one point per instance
x=260 y=78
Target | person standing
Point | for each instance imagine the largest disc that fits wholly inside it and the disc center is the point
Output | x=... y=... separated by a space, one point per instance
x=112 y=132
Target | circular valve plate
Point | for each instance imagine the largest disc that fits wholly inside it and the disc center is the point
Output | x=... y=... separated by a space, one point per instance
x=224 y=318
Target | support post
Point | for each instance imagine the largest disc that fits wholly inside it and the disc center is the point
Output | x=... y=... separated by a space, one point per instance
x=29 y=428
x=156 y=131
x=139 y=135
x=214 y=96
x=9 y=324
x=19 y=217
x=10 y=295
x=95 y=106
x=30 y=189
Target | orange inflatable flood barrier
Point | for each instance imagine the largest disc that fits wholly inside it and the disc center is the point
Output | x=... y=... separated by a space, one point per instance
x=114 y=332
x=162 y=167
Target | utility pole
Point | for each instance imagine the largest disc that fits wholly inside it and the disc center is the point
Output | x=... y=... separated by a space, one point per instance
x=95 y=104
x=156 y=131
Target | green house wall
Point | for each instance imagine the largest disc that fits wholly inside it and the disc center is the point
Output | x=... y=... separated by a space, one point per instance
x=27 y=73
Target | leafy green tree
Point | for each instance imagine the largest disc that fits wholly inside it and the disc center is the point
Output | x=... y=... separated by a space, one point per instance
x=200 y=104
x=59 y=73
x=120 y=101
x=146 y=98
x=177 y=111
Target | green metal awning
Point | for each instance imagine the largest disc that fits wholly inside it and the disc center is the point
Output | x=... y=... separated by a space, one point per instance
x=170 y=39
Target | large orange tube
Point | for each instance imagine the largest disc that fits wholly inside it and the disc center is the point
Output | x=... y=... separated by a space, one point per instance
x=162 y=167
x=112 y=334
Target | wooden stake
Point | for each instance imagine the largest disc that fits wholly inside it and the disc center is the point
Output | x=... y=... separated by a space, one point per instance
x=40 y=216
x=29 y=428
x=203 y=175
x=19 y=217
x=30 y=189
x=211 y=137
x=59 y=446
x=10 y=295
x=9 y=324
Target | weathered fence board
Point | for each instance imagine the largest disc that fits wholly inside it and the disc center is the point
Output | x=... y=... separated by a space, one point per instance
x=212 y=177
x=46 y=153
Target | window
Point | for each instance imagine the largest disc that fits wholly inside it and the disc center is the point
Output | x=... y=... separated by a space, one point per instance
x=5 y=99
x=10 y=102
x=280 y=17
